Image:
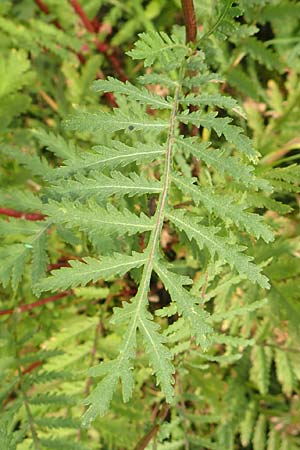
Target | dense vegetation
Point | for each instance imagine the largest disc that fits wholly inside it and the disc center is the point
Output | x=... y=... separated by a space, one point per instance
x=149 y=221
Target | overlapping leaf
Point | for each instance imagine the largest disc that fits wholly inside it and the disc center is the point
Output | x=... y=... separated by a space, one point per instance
x=98 y=185
x=91 y=269
x=208 y=237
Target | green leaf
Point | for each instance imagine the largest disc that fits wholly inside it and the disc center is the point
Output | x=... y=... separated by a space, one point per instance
x=259 y=437
x=237 y=311
x=21 y=200
x=115 y=121
x=62 y=444
x=14 y=72
x=56 y=144
x=141 y=94
x=260 y=370
x=232 y=133
x=247 y=425
x=20 y=227
x=259 y=201
x=13 y=259
x=159 y=355
x=96 y=221
x=221 y=101
x=36 y=165
x=241 y=81
x=273 y=440
x=284 y=371
x=232 y=340
x=91 y=269
x=154 y=46
x=100 y=398
x=115 y=155
x=231 y=254
x=39 y=256
x=224 y=206
x=222 y=163
x=262 y=54
x=100 y=186
x=120 y=368
x=57 y=422
x=188 y=305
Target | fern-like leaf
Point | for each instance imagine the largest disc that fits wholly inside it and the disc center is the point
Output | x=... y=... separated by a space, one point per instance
x=154 y=46
x=116 y=155
x=111 y=122
x=187 y=305
x=101 y=186
x=207 y=236
x=225 y=207
x=138 y=94
x=222 y=126
x=223 y=163
x=91 y=269
x=97 y=221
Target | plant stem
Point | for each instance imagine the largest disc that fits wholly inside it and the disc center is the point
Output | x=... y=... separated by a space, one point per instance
x=141 y=296
x=103 y=47
x=143 y=443
x=36 y=441
x=89 y=381
x=108 y=95
x=189 y=20
x=21 y=215
x=154 y=237
x=43 y=7
x=85 y=20
x=28 y=307
x=219 y=20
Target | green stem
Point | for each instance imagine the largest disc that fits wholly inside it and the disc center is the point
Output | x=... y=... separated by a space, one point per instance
x=34 y=435
x=219 y=20
x=141 y=296
x=30 y=417
x=160 y=211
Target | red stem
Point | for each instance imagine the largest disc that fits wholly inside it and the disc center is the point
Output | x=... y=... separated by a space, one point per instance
x=43 y=301
x=189 y=20
x=85 y=20
x=58 y=265
x=103 y=47
x=32 y=367
x=28 y=216
x=42 y=6
x=109 y=96
x=45 y=9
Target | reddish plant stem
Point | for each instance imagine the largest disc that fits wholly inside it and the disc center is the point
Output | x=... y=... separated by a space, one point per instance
x=32 y=367
x=96 y=24
x=148 y=438
x=43 y=301
x=43 y=7
x=103 y=47
x=190 y=21
x=85 y=20
x=58 y=265
x=143 y=443
x=189 y=15
x=21 y=215
x=108 y=95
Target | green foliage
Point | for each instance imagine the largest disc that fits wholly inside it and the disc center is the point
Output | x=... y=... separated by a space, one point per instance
x=149 y=230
